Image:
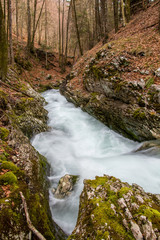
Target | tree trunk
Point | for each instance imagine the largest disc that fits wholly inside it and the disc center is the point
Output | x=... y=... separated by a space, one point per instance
x=103 y=17
x=128 y=10
x=159 y=18
x=46 y=25
x=3 y=46
x=97 y=20
x=11 y=55
x=67 y=31
x=17 y=27
x=34 y=18
x=115 y=5
x=28 y=25
x=63 y=63
x=33 y=35
x=77 y=30
x=59 y=19
x=123 y=14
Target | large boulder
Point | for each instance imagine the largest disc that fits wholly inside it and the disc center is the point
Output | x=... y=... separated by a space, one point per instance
x=111 y=209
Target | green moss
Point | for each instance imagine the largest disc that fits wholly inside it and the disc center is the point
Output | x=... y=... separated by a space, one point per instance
x=8 y=178
x=118 y=86
x=149 y=82
x=152 y=214
x=102 y=235
x=139 y=114
x=104 y=214
x=4 y=133
x=39 y=217
x=123 y=191
x=8 y=165
x=97 y=182
x=74 y=179
x=43 y=88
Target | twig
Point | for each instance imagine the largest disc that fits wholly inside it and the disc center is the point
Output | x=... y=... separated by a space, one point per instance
x=30 y=225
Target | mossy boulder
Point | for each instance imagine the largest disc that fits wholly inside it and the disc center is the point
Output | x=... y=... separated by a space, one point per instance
x=4 y=133
x=8 y=178
x=111 y=209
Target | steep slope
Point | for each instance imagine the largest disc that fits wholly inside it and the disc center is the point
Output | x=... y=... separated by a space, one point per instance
x=22 y=168
x=118 y=83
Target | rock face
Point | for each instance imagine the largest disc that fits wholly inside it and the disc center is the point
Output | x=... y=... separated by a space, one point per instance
x=111 y=209
x=22 y=168
x=131 y=107
x=66 y=186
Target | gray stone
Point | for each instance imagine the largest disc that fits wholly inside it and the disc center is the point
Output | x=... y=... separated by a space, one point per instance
x=65 y=186
x=157 y=72
x=136 y=231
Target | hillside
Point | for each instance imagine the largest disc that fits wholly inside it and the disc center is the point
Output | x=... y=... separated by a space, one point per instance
x=118 y=82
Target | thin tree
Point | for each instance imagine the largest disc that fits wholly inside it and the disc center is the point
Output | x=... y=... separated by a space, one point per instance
x=76 y=26
x=123 y=14
x=28 y=25
x=67 y=31
x=59 y=35
x=34 y=16
x=36 y=25
x=17 y=27
x=128 y=10
x=3 y=46
x=63 y=63
x=115 y=6
x=11 y=55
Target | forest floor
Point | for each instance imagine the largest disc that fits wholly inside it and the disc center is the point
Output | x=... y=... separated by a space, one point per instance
x=138 y=41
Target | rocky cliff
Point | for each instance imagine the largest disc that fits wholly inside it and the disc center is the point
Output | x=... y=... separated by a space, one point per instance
x=118 y=83
x=22 y=168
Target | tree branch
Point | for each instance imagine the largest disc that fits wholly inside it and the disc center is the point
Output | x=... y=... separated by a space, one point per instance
x=30 y=225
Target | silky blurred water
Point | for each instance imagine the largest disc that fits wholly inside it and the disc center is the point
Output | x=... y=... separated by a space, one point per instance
x=80 y=145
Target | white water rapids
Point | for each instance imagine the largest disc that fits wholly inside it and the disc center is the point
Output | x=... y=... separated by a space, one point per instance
x=78 y=144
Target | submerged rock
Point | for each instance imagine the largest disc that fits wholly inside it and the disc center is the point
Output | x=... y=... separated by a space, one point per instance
x=111 y=209
x=66 y=186
x=150 y=147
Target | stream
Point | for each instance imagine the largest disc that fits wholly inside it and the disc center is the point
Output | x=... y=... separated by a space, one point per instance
x=80 y=145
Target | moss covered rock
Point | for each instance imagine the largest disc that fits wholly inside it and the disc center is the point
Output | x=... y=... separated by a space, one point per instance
x=111 y=209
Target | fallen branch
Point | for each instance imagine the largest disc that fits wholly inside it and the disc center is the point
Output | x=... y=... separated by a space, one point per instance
x=30 y=225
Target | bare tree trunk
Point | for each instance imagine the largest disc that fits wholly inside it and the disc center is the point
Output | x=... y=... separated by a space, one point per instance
x=159 y=18
x=46 y=32
x=123 y=14
x=34 y=17
x=68 y=21
x=63 y=63
x=11 y=55
x=4 y=11
x=33 y=35
x=3 y=46
x=59 y=19
x=39 y=33
x=77 y=30
x=17 y=27
x=115 y=5
x=46 y=24
x=28 y=25
x=97 y=20
x=128 y=9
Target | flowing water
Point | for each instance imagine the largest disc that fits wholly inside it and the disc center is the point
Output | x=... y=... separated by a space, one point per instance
x=80 y=145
